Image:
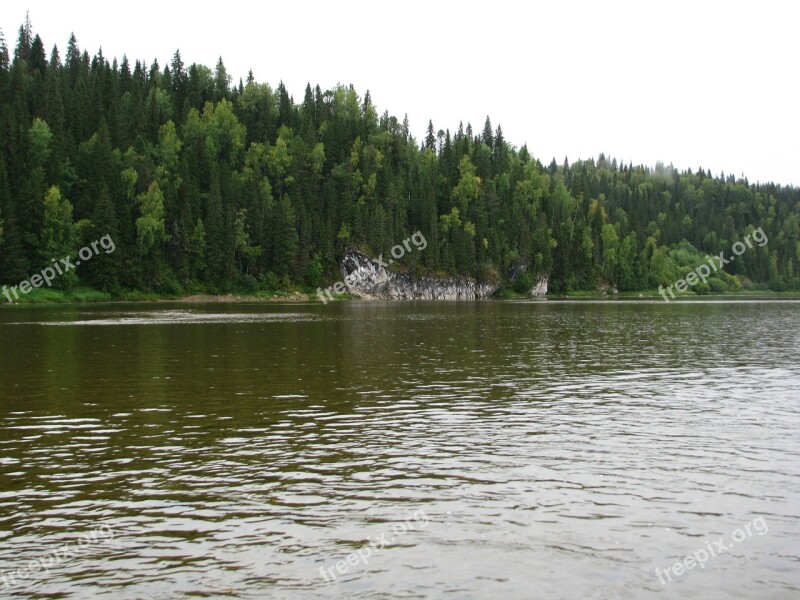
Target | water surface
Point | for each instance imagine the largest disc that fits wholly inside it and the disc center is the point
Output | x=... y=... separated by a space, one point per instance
x=547 y=449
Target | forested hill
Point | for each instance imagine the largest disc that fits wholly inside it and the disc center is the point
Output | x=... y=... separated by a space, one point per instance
x=205 y=185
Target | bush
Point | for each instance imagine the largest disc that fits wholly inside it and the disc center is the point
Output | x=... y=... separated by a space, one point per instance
x=247 y=283
x=170 y=286
x=702 y=289
x=488 y=273
x=269 y=282
x=717 y=286
x=314 y=272
x=747 y=284
x=523 y=283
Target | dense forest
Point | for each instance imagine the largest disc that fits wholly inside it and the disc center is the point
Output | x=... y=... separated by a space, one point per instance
x=209 y=185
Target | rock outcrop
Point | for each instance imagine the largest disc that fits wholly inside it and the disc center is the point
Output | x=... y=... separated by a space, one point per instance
x=607 y=288
x=539 y=289
x=368 y=278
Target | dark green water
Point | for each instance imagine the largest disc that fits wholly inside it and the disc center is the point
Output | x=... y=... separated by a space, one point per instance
x=469 y=450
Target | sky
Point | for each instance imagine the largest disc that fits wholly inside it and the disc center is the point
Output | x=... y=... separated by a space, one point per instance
x=696 y=84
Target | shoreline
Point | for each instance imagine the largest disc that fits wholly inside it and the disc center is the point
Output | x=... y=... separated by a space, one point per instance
x=298 y=296
x=85 y=296
x=231 y=298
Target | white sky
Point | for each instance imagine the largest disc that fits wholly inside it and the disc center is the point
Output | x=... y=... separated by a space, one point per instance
x=693 y=83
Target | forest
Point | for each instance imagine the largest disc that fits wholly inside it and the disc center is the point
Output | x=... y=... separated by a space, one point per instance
x=207 y=185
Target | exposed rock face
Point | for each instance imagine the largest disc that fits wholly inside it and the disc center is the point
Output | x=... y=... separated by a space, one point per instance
x=367 y=278
x=539 y=289
x=607 y=288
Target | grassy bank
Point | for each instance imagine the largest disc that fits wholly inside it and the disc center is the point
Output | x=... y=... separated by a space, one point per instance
x=654 y=294
x=84 y=295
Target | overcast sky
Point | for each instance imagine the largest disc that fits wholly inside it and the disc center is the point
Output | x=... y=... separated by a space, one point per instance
x=692 y=83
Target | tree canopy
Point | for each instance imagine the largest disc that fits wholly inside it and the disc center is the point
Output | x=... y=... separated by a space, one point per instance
x=205 y=184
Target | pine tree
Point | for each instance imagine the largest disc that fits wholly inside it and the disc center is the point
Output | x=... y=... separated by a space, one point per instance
x=103 y=271
x=180 y=80
x=487 y=137
x=54 y=117
x=24 y=40
x=430 y=138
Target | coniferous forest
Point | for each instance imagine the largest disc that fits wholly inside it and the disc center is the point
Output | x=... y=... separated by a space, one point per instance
x=210 y=185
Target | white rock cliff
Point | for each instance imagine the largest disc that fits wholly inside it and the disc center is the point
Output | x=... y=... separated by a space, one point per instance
x=367 y=278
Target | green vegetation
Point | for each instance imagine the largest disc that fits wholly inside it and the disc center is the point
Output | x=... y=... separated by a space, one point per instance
x=208 y=187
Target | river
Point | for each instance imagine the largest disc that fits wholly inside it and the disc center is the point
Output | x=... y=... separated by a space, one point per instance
x=495 y=449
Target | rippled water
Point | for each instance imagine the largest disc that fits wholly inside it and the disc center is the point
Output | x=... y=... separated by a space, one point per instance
x=468 y=450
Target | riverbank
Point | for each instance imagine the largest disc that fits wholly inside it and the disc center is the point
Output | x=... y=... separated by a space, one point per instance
x=88 y=295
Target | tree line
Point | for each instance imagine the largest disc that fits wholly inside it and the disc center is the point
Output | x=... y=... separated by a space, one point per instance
x=207 y=185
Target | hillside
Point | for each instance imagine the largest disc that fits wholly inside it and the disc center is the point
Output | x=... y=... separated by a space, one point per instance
x=208 y=185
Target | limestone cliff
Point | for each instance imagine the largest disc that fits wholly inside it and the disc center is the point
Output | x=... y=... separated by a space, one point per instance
x=367 y=278
x=539 y=289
